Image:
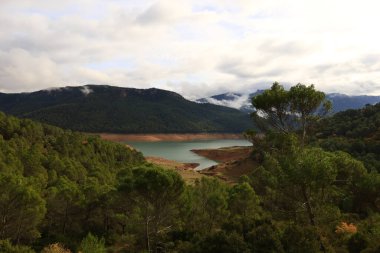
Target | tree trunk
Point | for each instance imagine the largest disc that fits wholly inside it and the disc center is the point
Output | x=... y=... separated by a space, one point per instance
x=308 y=207
x=312 y=216
x=303 y=130
x=65 y=218
x=147 y=230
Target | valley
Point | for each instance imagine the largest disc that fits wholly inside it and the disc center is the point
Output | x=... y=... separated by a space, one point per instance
x=194 y=186
x=161 y=126
x=182 y=151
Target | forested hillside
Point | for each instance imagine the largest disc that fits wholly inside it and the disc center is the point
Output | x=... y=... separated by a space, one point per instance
x=54 y=183
x=356 y=132
x=62 y=191
x=101 y=108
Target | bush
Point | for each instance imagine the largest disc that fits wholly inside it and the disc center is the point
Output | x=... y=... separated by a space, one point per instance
x=92 y=244
x=55 y=248
x=7 y=247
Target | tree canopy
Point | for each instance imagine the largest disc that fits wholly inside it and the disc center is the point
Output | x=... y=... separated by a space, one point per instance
x=62 y=191
x=286 y=111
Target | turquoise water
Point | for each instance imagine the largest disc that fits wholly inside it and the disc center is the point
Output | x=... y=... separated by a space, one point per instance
x=180 y=151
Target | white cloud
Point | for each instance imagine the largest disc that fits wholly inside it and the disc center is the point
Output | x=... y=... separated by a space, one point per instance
x=23 y=70
x=197 y=48
x=86 y=90
x=234 y=101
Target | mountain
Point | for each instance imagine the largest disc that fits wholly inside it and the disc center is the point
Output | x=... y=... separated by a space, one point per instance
x=238 y=101
x=103 y=108
x=242 y=102
x=343 y=102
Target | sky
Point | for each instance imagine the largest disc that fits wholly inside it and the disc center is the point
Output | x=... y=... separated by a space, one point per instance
x=197 y=48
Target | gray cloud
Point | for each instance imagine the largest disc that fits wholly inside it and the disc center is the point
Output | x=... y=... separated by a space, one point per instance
x=187 y=46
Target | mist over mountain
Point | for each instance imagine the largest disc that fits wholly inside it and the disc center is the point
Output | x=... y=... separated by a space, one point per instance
x=102 y=108
x=241 y=101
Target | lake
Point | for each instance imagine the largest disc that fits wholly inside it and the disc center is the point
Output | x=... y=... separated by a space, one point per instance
x=180 y=150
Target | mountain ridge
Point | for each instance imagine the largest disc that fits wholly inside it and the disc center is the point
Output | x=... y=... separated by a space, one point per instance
x=104 y=108
x=341 y=102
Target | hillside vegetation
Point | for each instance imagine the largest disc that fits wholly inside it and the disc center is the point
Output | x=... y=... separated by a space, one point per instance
x=356 y=132
x=62 y=191
x=100 y=108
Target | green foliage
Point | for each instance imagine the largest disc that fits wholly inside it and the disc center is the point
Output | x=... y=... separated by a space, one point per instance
x=57 y=186
x=209 y=205
x=53 y=182
x=221 y=242
x=274 y=104
x=300 y=107
x=21 y=209
x=7 y=247
x=298 y=239
x=367 y=198
x=353 y=123
x=154 y=193
x=265 y=238
x=92 y=244
x=357 y=243
x=356 y=132
x=244 y=207
x=311 y=187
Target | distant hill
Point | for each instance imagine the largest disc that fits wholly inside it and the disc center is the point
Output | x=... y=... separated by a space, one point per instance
x=358 y=123
x=238 y=101
x=356 y=132
x=242 y=102
x=102 y=108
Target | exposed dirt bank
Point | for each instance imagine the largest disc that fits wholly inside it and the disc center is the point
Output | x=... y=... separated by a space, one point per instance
x=224 y=154
x=167 y=137
x=236 y=161
x=186 y=170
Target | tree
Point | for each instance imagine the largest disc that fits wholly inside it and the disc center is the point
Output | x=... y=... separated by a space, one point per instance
x=21 y=209
x=265 y=238
x=243 y=204
x=155 y=191
x=209 y=205
x=303 y=183
x=221 y=242
x=92 y=244
x=273 y=105
x=278 y=109
x=297 y=239
x=64 y=199
x=305 y=102
x=7 y=247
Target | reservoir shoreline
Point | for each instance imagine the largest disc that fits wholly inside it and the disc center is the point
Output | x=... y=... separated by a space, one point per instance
x=168 y=137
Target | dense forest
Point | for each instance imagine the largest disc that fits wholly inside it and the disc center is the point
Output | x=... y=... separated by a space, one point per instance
x=356 y=132
x=102 y=108
x=61 y=191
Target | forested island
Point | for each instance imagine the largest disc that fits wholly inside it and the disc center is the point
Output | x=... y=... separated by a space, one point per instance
x=314 y=188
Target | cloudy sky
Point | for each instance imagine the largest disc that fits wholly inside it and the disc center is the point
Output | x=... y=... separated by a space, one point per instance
x=194 y=47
